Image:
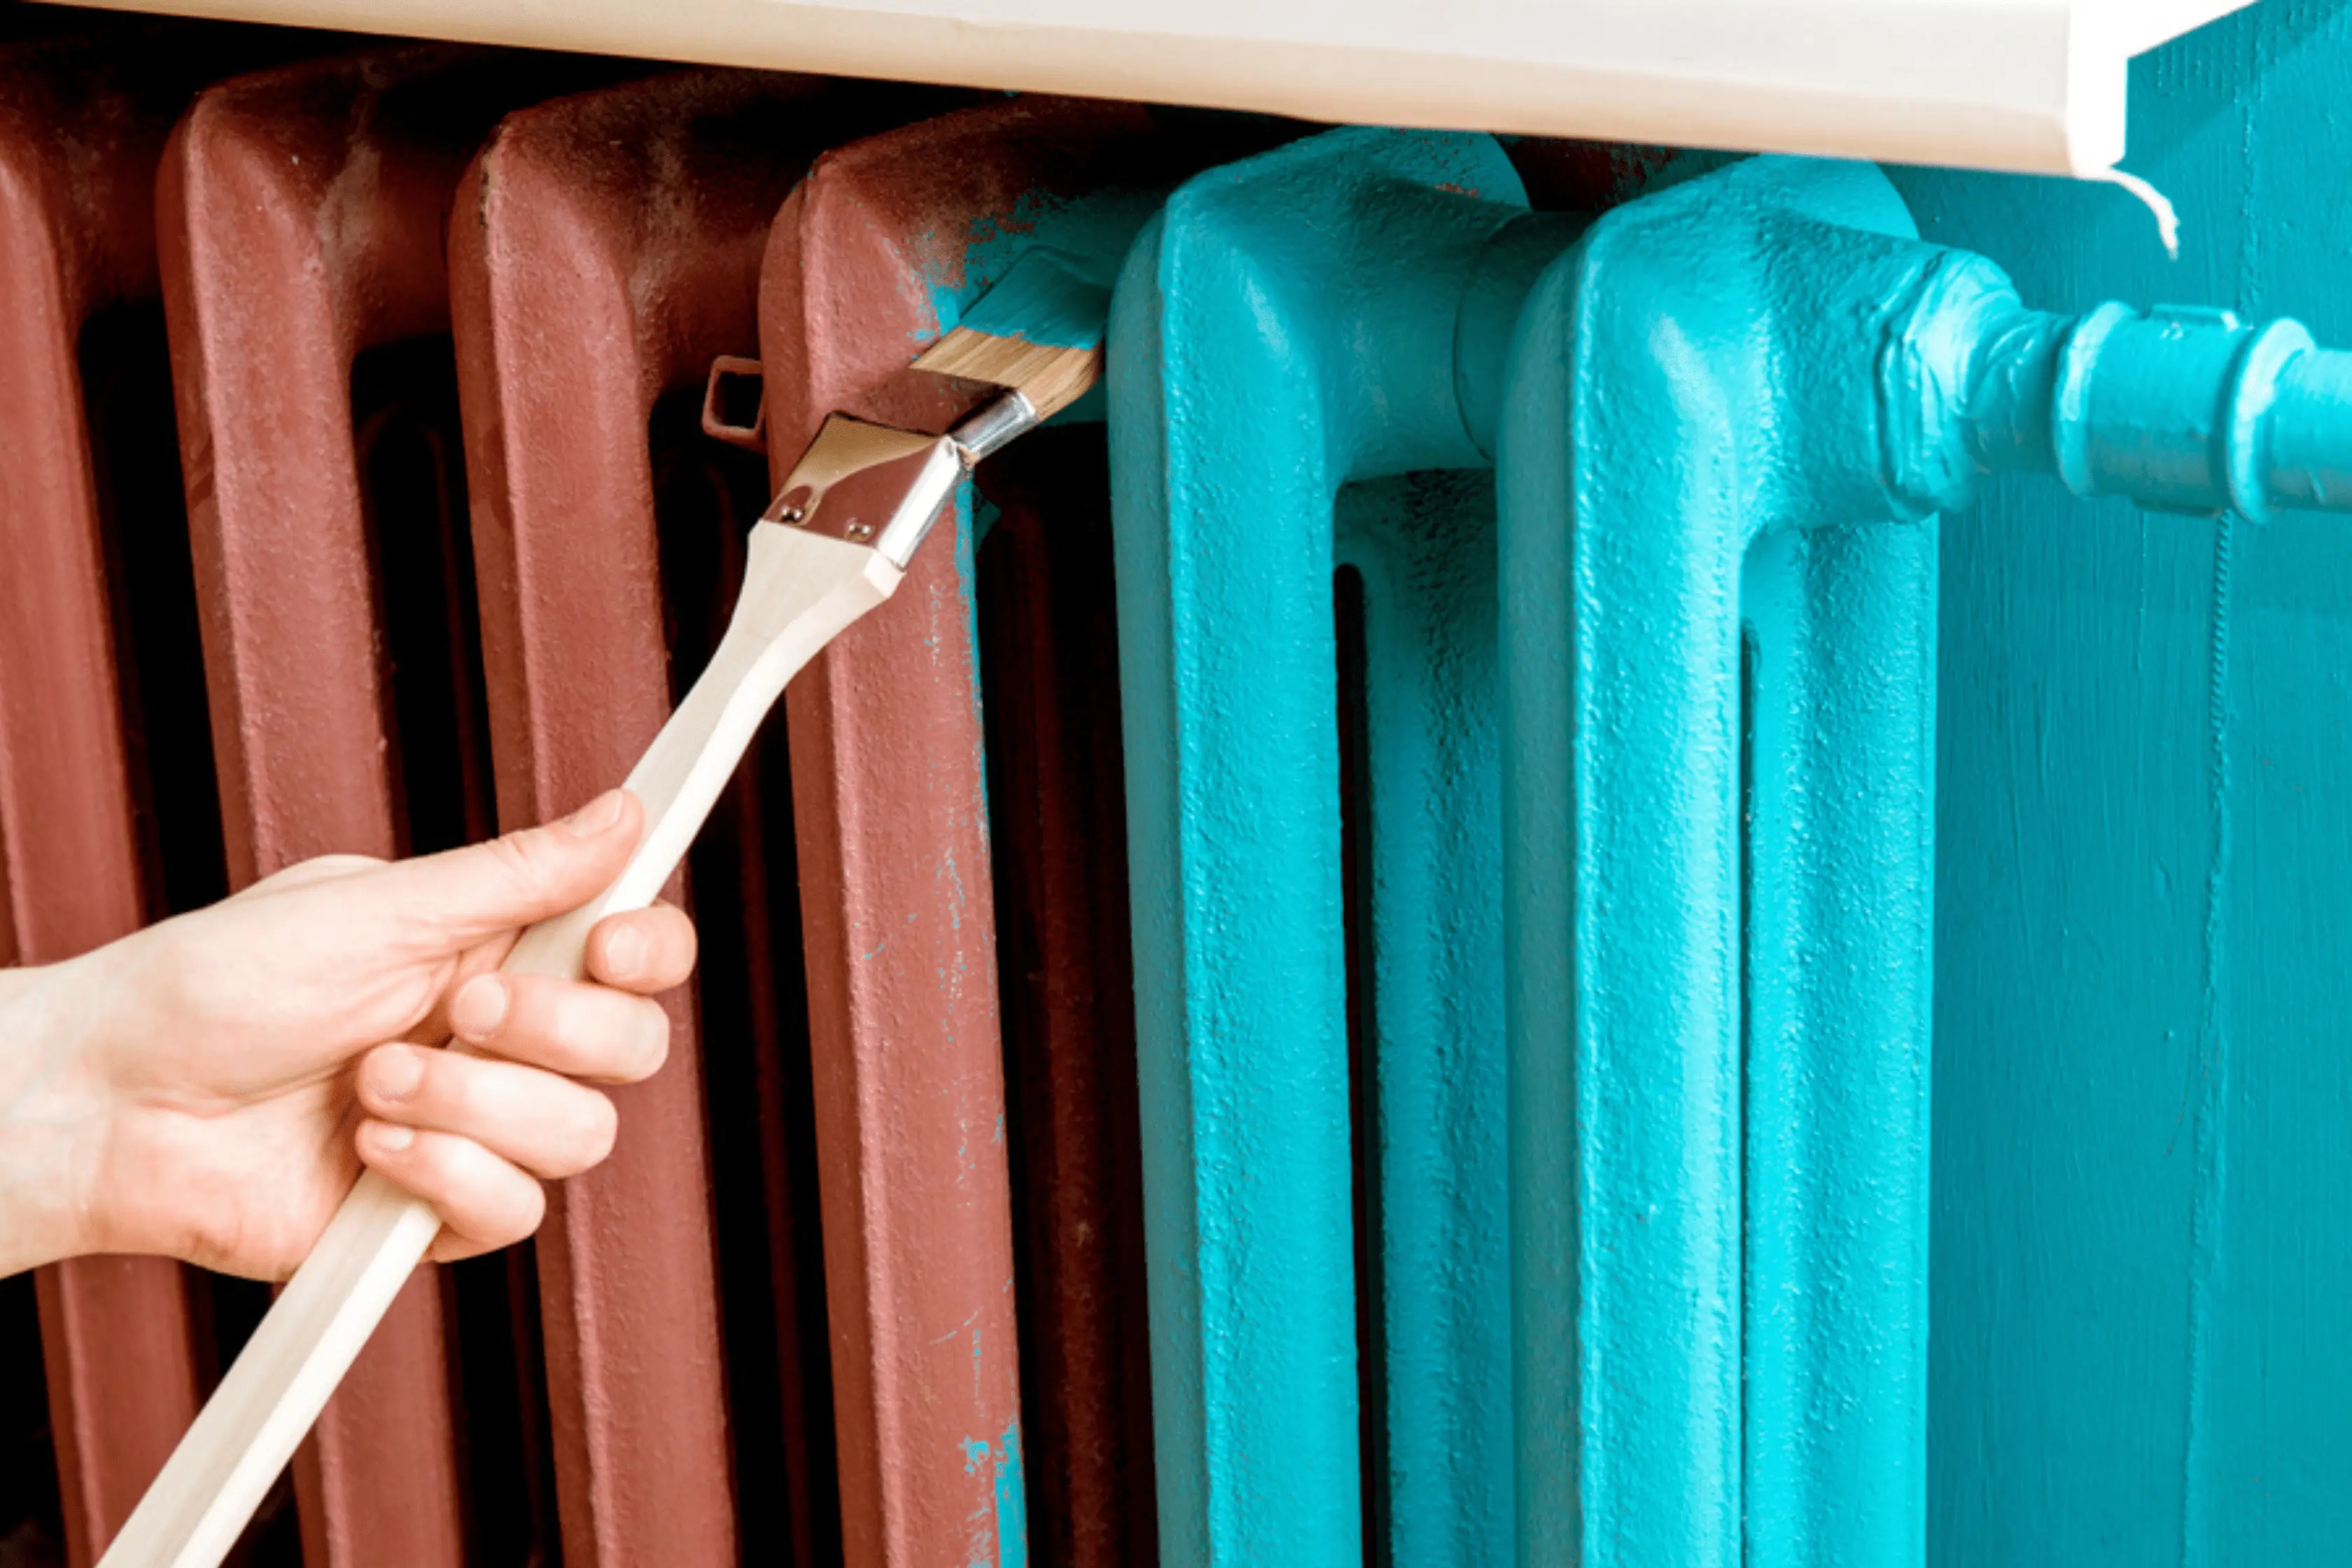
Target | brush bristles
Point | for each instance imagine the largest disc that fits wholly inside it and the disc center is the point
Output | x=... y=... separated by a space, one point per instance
x=1051 y=378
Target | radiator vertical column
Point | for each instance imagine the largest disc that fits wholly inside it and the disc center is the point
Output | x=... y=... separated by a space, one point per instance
x=81 y=130
x=873 y=257
x=1285 y=328
x=1719 y=763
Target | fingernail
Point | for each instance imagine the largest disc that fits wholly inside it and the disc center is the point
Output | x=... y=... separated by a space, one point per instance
x=596 y=818
x=390 y=1137
x=479 y=1009
x=624 y=952
x=397 y=1074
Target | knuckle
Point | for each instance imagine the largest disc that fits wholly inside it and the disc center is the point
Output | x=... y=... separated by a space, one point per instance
x=320 y=868
x=520 y=1212
x=316 y=868
x=453 y=1088
x=522 y=859
x=598 y=1124
x=653 y=1048
x=427 y=1165
x=681 y=948
x=183 y=976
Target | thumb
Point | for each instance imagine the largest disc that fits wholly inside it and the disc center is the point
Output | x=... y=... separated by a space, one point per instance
x=464 y=897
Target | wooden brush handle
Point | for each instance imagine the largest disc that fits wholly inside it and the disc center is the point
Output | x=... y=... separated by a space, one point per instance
x=800 y=592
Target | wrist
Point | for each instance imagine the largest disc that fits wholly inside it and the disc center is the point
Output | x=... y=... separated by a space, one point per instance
x=52 y=1123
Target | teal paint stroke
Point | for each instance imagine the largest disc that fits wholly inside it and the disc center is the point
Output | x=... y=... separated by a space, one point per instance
x=1048 y=297
x=1051 y=255
x=1087 y=235
x=1000 y=1538
x=2143 y=1080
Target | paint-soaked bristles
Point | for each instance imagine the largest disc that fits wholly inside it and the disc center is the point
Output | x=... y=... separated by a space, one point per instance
x=1051 y=378
x=1039 y=331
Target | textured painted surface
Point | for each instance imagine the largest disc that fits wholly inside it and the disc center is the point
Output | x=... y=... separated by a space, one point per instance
x=1285 y=327
x=1729 y=412
x=2141 y=1172
x=1662 y=563
x=1424 y=548
x=1058 y=807
x=301 y=218
x=81 y=131
x=607 y=249
x=1683 y=983
x=872 y=257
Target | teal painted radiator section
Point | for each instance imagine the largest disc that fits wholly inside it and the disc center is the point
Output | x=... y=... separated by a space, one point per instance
x=1291 y=334
x=1284 y=331
x=1719 y=735
x=1650 y=748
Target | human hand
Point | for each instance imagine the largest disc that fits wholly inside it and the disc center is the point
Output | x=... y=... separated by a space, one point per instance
x=208 y=1088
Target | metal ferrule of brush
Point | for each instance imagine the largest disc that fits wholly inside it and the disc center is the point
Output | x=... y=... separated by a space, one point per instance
x=880 y=486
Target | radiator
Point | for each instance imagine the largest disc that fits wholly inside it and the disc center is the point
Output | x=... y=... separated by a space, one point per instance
x=1631 y=926
x=1343 y=975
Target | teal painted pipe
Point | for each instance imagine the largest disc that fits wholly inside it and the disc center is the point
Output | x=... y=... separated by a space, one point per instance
x=2184 y=409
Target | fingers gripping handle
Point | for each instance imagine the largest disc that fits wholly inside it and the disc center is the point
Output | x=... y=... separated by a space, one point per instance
x=800 y=592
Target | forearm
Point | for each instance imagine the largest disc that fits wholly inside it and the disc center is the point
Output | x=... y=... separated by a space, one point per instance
x=45 y=1123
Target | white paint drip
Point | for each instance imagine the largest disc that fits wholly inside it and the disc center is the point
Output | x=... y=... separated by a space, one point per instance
x=2168 y=220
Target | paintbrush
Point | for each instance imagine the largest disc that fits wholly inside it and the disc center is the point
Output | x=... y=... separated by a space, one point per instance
x=832 y=547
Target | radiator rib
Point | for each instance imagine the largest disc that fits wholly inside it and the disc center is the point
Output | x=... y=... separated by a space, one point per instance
x=82 y=129
x=1287 y=330
x=301 y=220
x=610 y=248
x=1659 y=555
x=1704 y=1361
x=873 y=253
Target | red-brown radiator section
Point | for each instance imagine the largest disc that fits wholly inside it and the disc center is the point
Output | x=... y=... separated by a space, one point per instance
x=609 y=251
x=300 y=215
x=81 y=129
x=357 y=496
x=888 y=750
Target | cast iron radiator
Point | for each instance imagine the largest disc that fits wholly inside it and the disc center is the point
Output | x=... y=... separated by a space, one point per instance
x=1341 y=976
